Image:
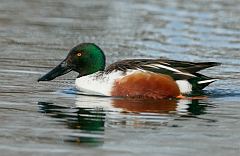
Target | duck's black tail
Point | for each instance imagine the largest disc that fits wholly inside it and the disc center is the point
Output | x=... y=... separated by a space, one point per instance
x=201 y=81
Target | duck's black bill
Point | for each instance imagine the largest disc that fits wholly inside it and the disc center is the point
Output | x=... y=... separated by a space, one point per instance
x=59 y=70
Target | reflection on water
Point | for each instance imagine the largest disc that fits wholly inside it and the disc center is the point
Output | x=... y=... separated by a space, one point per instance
x=164 y=106
x=92 y=119
x=89 y=121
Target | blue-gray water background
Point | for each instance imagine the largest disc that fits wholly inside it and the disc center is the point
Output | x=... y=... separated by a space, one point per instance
x=52 y=119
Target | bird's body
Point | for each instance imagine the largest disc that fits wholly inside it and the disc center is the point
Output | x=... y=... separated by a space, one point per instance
x=142 y=78
x=133 y=83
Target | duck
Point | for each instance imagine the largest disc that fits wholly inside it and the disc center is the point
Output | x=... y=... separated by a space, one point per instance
x=158 y=78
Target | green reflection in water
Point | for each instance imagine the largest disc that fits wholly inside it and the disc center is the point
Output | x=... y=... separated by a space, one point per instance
x=89 y=121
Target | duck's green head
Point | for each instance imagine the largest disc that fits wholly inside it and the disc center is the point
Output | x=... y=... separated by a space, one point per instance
x=85 y=58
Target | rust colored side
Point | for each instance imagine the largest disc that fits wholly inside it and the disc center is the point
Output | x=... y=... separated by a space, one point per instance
x=146 y=85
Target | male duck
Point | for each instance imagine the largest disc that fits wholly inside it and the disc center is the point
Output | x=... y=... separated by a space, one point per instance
x=144 y=78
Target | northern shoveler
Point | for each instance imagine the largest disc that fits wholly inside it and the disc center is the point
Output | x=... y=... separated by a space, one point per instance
x=145 y=78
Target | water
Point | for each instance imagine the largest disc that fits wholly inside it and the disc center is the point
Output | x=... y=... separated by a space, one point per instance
x=52 y=118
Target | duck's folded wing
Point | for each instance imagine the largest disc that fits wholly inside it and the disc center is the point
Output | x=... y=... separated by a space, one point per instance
x=178 y=70
x=191 y=67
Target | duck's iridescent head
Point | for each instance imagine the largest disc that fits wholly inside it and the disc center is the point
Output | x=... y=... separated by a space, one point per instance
x=85 y=58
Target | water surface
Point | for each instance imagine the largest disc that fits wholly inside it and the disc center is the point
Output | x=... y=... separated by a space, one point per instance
x=52 y=118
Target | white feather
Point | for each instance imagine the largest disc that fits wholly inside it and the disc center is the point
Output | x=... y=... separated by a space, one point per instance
x=162 y=66
x=184 y=86
x=96 y=83
x=157 y=66
x=206 y=81
x=100 y=84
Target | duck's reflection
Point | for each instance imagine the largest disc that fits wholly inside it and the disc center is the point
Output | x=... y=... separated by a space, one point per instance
x=128 y=105
x=147 y=106
x=92 y=115
x=89 y=121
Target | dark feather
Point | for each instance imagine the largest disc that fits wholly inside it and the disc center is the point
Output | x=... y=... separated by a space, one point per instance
x=195 y=67
x=200 y=77
x=186 y=70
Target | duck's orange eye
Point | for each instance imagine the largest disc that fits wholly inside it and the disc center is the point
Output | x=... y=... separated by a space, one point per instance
x=79 y=54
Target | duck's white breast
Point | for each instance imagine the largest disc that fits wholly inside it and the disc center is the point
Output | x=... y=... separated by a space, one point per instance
x=98 y=83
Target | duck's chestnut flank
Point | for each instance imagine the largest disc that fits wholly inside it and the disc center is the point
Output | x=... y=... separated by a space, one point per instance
x=146 y=85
